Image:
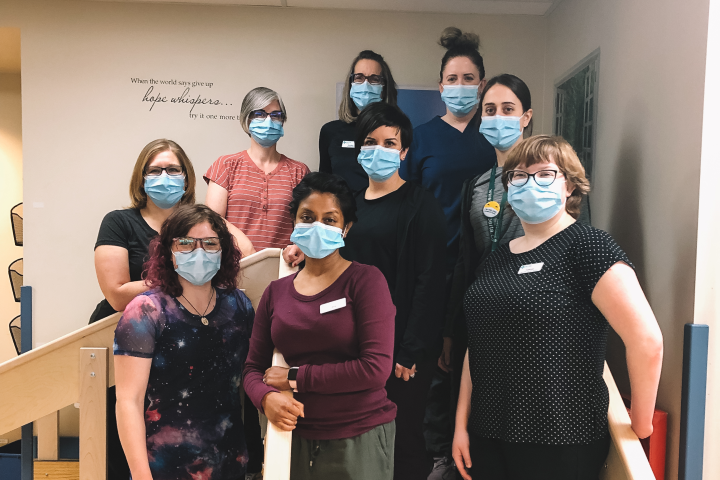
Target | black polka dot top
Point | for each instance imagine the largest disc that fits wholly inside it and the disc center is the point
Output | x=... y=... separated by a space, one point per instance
x=537 y=342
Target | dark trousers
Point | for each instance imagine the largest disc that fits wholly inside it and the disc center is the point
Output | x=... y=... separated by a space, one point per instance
x=412 y=462
x=494 y=459
x=118 y=468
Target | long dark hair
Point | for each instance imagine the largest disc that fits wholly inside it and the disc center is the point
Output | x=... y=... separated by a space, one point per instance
x=159 y=271
x=519 y=88
x=348 y=112
x=459 y=44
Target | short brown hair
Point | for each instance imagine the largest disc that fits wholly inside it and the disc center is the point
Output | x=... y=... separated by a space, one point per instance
x=138 y=197
x=546 y=149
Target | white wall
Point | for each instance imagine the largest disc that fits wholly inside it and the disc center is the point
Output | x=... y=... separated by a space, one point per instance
x=84 y=123
x=707 y=280
x=11 y=193
x=652 y=72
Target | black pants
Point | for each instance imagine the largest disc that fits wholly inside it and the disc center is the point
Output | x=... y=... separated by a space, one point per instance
x=412 y=462
x=494 y=459
x=118 y=468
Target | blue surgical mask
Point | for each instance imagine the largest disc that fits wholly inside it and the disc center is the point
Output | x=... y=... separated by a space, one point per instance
x=363 y=94
x=501 y=131
x=535 y=204
x=317 y=240
x=197 y=267
x=165 y=190
x=266 y=132
x=379 y=163
x=460 y=99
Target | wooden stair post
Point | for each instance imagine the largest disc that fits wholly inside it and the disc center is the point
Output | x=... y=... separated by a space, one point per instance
x=93 y=409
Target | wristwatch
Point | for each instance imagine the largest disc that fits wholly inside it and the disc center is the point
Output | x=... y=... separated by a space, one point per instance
x=292 y=377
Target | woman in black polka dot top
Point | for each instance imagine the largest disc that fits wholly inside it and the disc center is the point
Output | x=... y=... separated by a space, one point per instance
x=533 y=403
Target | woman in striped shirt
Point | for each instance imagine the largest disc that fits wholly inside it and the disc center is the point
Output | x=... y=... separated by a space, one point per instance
x=252 y=189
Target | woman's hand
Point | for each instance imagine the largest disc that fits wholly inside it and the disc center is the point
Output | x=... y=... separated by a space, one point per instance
x=405 y=373
x=277 y=377
x=282 y=411
x=445 y=360
x=461 y=452
x=293 y=255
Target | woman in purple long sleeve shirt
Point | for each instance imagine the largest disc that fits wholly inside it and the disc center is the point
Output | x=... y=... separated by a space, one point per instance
x=334 y=324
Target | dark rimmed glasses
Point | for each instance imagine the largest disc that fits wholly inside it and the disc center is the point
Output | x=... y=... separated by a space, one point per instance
x=172 y=170
x=371 y=79
x=277 y=115
x=544 y=178
x=187 y=244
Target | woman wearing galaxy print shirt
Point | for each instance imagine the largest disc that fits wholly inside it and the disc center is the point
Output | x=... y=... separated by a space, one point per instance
x=533 y=402
x=179 y=352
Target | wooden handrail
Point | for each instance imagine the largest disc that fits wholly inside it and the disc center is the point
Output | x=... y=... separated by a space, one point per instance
x=46 y=379
x=626 y=459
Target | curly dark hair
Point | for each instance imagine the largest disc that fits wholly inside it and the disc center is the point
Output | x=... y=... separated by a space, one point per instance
x=159 y=272
x=322 y=182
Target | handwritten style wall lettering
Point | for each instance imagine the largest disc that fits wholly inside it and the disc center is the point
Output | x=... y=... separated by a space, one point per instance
x=181 y=92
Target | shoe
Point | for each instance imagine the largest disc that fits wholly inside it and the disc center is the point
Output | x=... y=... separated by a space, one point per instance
x=443 y=469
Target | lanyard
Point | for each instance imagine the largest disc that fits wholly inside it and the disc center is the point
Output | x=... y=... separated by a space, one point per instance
x=495 y=223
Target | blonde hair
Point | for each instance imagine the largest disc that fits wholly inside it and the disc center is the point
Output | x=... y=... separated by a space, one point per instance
x=257 y=99
x=138 y=197
x=547 y=149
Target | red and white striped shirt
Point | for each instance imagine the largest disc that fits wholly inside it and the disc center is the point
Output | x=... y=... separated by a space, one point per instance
x=258 y=202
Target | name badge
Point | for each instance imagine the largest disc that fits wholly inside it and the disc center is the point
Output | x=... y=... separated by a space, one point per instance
x=533 y=267
x=334 y=305
x=348 y=144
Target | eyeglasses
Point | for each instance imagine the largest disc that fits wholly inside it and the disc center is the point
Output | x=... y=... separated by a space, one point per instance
x=277 y=115
x=544 y=178
x=172 y=170
x=372 y=79
x=187 y=244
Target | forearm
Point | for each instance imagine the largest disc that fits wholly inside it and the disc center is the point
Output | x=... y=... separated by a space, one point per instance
x=243 y=242
x=366 y=372
x=644 y=363
x=463 y=408
x=120 y=296
x=131 y=428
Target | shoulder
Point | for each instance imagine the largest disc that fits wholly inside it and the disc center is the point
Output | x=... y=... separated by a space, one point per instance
x=365 y=275
x=122 y=216
x=332 y=126
x=427 y=127
x=591 y=243
x=421 y=196
x=237 y=297
x=294 y=165
x=232 y=159
x=148 y=306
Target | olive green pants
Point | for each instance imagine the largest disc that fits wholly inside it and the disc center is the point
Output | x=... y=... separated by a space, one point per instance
x=369 y=456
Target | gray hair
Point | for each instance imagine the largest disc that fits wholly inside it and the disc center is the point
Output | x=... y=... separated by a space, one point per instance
x=257 y=99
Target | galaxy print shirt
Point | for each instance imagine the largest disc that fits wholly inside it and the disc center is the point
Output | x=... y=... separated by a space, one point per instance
x=193 y=414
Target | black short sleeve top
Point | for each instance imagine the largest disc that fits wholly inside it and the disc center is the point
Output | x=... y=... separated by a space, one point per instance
x=537 y=341
x=129 y=230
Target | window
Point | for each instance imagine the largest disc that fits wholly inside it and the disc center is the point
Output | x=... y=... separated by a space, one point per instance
x=576 y=107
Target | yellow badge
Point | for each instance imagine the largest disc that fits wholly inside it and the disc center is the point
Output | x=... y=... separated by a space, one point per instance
x=491 y=209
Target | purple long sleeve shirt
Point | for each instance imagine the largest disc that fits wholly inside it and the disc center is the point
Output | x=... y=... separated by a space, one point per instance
x=345 y=355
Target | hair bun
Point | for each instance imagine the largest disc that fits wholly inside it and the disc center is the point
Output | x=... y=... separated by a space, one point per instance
x=453 y=37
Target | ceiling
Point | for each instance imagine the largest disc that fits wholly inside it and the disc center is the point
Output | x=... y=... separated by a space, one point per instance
x=9 y=50
x=487 y=7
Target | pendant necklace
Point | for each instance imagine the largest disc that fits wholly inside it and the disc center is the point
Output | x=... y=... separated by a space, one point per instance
x=203 y=319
